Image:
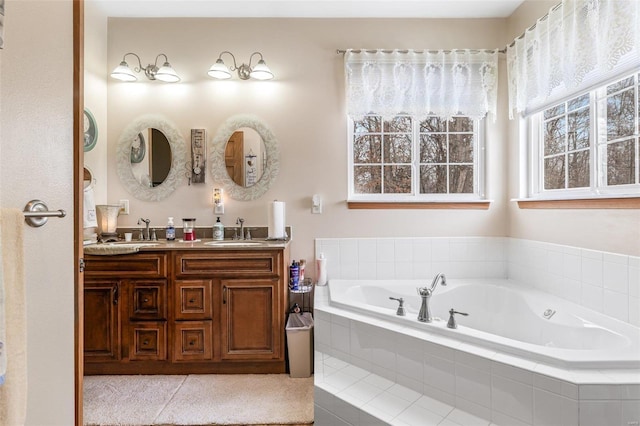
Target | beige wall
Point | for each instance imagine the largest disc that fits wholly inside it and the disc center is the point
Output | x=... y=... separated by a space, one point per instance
x=304 y=106
x=37 y=162
x=615 y=231
x=95 y=94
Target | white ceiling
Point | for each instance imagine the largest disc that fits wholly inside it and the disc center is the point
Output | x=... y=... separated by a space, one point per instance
x=310 y=8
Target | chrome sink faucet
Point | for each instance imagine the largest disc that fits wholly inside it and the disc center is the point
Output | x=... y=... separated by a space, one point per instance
x=425 y=314
x=146 y=231
x=240 y=221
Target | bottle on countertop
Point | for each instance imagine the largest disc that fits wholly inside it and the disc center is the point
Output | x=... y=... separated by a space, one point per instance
x=321 y=270
x=218 y=230
x=170 y=230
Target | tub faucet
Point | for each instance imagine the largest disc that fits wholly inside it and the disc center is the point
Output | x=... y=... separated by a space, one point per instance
x=401 y=311
x=146 y=231
x=425 y=314
x=452 y=320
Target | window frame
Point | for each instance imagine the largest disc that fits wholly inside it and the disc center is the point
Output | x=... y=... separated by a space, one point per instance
x=415 y=197
x=533 y=147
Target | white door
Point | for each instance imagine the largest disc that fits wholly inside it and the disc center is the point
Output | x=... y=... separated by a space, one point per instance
x=36 y=161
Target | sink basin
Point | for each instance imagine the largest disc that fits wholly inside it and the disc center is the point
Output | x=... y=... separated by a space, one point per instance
x=235 y=243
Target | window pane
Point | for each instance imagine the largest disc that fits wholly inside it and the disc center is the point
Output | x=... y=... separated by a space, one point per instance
x=579 y=169
x=461 y=179
x=367 y=179
x=461 y=148
x=555 y=111
x=433 y=124
x=621 y=164
x=579 y=102
x=554 y=172
x=433 y=179
x=399 y=124
x=578 y=136
x=620 y=115
x=397 y=179
x=461 y=124
x=433 y=148
x=367 y=149
x=369 y=124
x=397 y=149
x=612 y=88
x=554 y=136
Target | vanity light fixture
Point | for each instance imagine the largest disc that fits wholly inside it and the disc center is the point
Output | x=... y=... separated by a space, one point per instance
x=165 y=73
x=260 y=71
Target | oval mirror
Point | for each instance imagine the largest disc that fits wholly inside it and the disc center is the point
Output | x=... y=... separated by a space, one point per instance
x=245 y=157
x=255 y=166
x=149 y=154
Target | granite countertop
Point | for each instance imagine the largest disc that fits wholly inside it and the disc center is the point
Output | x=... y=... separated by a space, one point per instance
x=135 y=246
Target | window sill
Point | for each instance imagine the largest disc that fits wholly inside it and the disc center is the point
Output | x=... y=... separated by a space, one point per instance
x=582 y=203
x=426 y=205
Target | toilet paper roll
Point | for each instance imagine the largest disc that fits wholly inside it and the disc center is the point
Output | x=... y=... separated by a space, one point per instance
x=276 y=220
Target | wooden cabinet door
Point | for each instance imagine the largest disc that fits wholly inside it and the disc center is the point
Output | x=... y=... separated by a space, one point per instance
x=250 y=324
x=101 y=320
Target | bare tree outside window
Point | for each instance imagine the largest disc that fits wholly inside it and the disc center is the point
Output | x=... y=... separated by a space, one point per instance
x=447 y=156
x=578 y=153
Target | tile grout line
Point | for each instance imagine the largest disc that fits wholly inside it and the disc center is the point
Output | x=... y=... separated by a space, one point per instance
x=154 y=420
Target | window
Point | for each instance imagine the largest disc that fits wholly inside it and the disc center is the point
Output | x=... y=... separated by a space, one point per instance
x=588 y=146
x=408 y=159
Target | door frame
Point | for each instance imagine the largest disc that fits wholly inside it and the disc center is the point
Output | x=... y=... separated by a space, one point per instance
x=78 y=192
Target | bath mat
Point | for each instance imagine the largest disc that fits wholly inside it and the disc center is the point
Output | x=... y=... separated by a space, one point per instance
x=127 y=400
x=207 y=399
x=240 y=399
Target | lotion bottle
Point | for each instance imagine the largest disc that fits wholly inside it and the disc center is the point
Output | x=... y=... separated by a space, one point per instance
x=218 y=230
x=321 y=270
x=170 y=230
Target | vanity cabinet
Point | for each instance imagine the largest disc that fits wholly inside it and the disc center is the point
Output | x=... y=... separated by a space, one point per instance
x=101 y=320
x=125 y=309
x=186 y=311
x=250 y=319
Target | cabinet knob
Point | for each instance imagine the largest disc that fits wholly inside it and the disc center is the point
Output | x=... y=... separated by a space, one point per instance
x=145 y=300
x=145 y=342
x=191 y=343
x=192 y=300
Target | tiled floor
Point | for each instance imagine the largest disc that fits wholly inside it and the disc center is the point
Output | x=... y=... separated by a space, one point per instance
x=355 y=395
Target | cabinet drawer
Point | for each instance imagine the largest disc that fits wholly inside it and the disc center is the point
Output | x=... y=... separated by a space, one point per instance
x=148 y=341
x=193 y=300
x=140 y=265
x=239 y=263
x=193 y=341
x=148 y=300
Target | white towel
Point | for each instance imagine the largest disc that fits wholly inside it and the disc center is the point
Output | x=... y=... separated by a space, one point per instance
x=3 y=329
x=13 y=393
x=89 y=216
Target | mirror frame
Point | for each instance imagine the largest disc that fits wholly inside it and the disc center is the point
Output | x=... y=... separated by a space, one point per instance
x=123 y=158
x=219 y=169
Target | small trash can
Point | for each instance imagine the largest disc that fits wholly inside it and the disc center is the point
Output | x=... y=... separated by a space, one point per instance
x=300 y=344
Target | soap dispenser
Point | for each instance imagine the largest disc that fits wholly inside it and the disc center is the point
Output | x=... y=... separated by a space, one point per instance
x=218 y=230
x=170 y=231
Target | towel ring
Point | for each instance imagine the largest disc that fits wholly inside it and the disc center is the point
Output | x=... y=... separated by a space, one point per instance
x=36 y=213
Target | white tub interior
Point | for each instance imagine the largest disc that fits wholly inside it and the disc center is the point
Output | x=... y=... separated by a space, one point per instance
x=503 y=316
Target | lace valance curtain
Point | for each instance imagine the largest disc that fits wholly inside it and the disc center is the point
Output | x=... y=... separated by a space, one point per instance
x=443 y=83
x=580 y=44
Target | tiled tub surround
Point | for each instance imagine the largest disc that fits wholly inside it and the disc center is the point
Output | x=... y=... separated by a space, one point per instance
x=503 y=389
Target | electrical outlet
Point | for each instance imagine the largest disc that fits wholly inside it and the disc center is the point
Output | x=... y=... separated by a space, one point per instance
x=124 y=207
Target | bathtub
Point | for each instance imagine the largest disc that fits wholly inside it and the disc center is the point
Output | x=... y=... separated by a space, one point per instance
x=503 y=317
